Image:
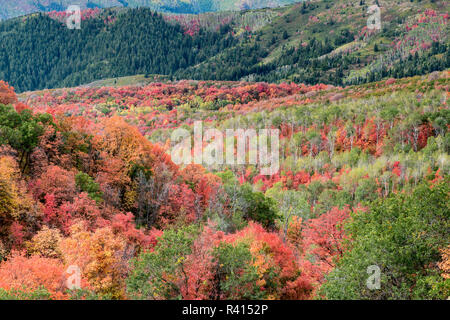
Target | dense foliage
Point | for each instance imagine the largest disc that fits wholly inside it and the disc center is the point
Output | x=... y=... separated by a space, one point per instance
x=88 y=187
x=110 y=45
x=86 y=181
x=402 y=235
x=310 y=42
x=329 y=42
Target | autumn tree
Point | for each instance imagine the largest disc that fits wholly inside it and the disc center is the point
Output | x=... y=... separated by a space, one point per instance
x=18 y=212
x=8 y=190
x=30 y=274
x=7 y=94
x=101 y=257
x=323 y=243
x=444 y=265
x=57 y=181
x=45 y=243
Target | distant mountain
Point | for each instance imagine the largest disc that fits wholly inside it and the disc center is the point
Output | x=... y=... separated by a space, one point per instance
x=9 y=9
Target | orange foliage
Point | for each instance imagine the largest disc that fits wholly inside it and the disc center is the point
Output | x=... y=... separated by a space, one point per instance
x=101 y=257
x=294 y=232
x=7 y=94
x=22 y=273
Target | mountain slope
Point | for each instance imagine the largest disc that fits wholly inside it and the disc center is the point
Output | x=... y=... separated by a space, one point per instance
x=363 y=168
x=40 y=52
x=329 y=41
x=310 y=42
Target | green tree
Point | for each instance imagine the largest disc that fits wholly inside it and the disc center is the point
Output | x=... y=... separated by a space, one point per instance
x=402 y=235
x=86 y=184
x=155 y=274
x=237 y=276
x=22 y=131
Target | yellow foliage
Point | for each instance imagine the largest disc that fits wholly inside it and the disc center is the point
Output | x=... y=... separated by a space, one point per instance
x=45 y=243
x=9 y=201
x=3 y=251
x=121 y=140
x=15 y=202
x=129 y=199
x=294 y=232
x=101 y=257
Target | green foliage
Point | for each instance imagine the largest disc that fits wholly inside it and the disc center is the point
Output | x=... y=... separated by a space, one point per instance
x=22 y=130
x=237 y=275
x=86 y=184
x=23 y=7
x=331 y=198
x=402 y=235
x=85 y=294
x=366 y=191
x=153 y=274
x=253 y=205
x=228 y=177
x=38 y=294
x=137 y=42
x=327 y=51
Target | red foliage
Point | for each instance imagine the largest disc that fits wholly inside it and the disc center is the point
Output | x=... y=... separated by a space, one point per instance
x=180 y=206
x=21 y=107
x=54 y=216
x=200 y=268
x=86 y=209
x=30 y=274
x=124 y=224
x=16 y=235
x=323 y=239
x=56 y=181
x=7 y=94
x=271 y=253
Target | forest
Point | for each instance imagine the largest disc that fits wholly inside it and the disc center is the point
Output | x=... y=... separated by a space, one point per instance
x=94 y=206
x=330 y=42
x=86 y=180
x=309 y=42
x=138 y=41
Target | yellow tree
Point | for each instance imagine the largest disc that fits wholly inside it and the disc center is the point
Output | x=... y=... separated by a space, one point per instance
x=101 y=257
x=9 y=201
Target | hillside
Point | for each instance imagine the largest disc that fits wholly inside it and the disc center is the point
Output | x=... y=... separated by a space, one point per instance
x=329 y=41
x=311 y=42
x=225 y=150
x=10 y=9
x=87 y=179
x=111 y=43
